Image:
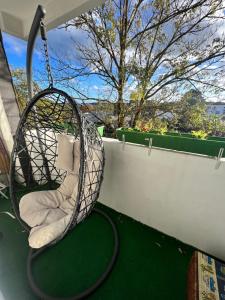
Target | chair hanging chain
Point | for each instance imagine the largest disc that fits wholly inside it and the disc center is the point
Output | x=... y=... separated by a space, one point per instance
x=45 y=44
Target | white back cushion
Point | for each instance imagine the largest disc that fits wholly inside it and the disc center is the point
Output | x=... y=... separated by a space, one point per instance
x=64 y=159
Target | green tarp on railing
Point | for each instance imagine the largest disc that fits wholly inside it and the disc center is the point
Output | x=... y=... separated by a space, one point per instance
x=175 y=141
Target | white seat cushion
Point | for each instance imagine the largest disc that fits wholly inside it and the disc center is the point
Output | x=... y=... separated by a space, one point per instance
x=37 y=208
x=44 y=234
x=48 y=213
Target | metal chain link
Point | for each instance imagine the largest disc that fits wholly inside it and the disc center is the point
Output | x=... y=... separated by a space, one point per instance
x=47 y=61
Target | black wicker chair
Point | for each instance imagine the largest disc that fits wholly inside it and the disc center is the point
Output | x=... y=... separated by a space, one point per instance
x=47 y=114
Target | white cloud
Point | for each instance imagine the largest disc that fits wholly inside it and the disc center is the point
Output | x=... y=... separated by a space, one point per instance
x=62 y=41
x=129 y=54
x=14 y=45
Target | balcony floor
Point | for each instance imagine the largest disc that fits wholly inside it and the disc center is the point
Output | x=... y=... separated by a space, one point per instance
x=150 y=265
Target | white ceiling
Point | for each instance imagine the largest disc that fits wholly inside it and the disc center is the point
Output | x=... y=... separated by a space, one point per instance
x=16 y=16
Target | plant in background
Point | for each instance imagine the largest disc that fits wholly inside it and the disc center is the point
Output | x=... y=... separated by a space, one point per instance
x=199 y=134
x=130 y=129
x=163 y=130
x=20 y=84
x=215 y=125
x=156 y=124
x=144 y=126
x=195 y=118
x=160 y=126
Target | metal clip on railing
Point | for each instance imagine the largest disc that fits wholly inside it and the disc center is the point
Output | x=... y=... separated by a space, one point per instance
x=124 y=141
x=150 y=140
x=219 y=158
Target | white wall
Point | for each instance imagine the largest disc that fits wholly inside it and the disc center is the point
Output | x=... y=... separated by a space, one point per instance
x=9 y=111
x=5 y=129
x=179 y=194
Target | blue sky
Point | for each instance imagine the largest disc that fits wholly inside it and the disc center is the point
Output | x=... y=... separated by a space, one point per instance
x=15 y=51
x=60 y=41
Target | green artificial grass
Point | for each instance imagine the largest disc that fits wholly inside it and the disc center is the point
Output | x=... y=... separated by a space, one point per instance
x=150 y=264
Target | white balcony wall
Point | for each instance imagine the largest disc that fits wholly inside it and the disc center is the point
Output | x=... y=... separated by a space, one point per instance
x=179 y=194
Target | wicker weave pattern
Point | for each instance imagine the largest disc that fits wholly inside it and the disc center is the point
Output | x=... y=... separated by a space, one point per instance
x=33 y=159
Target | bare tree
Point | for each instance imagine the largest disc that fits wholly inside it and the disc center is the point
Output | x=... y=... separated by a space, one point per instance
x=144 y=49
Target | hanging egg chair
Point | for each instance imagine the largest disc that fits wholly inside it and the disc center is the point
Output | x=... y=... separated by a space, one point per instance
x=57 y=167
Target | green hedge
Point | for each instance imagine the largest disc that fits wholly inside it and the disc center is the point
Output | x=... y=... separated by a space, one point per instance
x=189 y=135
x=175 y=141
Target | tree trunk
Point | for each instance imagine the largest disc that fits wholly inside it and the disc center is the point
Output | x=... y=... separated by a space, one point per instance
x=121 y=68
x=137 y=113
x=120 y=108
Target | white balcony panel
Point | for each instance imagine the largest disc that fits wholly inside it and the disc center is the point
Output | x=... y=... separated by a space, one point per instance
x=179 y=194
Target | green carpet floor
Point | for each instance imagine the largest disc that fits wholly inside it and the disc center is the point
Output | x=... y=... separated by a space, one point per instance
x=150 y=265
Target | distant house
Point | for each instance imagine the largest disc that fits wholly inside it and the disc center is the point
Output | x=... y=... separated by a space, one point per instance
x=216 y=108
